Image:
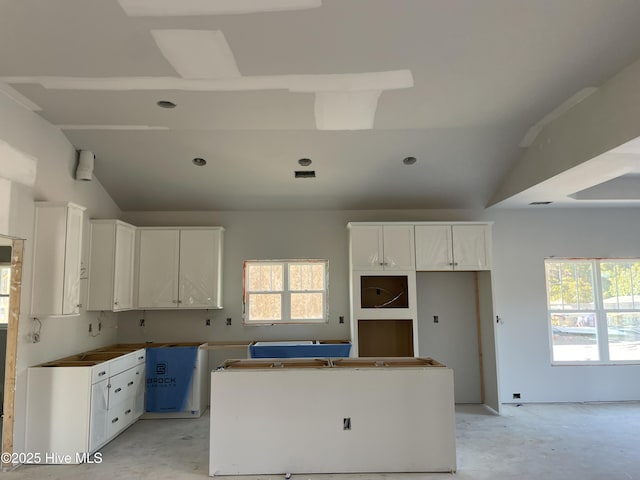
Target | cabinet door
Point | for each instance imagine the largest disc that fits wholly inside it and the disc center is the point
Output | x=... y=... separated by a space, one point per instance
x=101 y=259
x=158 y=268
x=200 y=262
x=398 y=248
x=366 y=247
x=139 y=386
x=98 y=422
x=470 y=247
x=72 y=260
x=123 y=268
x=48 y=258
x=433 y=247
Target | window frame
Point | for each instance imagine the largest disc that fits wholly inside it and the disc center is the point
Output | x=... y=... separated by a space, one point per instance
x=286 y=292
x=599 y=310
x=4 y=324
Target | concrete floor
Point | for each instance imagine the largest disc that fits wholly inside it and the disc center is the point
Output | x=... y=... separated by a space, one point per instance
x=534 y=441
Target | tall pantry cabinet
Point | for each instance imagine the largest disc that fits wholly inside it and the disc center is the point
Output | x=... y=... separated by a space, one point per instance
x=390 y=316
x=383 y=293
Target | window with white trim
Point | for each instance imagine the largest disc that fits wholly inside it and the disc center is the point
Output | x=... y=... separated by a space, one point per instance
x=594 y=310
x=5 y=283
x=285 y=291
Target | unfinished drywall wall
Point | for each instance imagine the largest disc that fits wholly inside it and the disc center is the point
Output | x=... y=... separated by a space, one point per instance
x=56 y=158
x=605 y=120
x=453 y=340
x=251 y=235
x=521 y=241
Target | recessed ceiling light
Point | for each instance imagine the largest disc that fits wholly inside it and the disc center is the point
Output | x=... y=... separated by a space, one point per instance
x=200 y=162
x=305 y=162
x=540 y=203
x=166 y=104
x=409 y=160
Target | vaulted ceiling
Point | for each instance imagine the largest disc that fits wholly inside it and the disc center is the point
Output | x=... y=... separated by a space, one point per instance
x=354 y=85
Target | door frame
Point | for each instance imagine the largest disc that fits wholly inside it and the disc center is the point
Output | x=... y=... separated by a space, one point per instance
x=17 y=252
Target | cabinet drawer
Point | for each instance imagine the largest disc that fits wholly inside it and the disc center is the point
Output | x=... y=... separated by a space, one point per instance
x=100 y=372
x=120 y=417
x=125 y=362
x=125 y=385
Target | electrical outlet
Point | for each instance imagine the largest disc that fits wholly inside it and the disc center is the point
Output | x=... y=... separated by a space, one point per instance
x=516 y=396
x=436 y=319
x=99 y=326
x=207 y=322
x=346 y=423
x=341 y=319
x=228 y=321
x=90 y=327
x=142 y=322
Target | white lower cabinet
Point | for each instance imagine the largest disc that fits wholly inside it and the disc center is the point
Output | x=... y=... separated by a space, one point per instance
x=74 y=408
x=99 y=412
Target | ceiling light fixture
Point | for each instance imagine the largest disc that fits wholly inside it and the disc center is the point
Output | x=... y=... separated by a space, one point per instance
x=166 y=104
x=409 y=160
x=200 y=162
x=305 y=162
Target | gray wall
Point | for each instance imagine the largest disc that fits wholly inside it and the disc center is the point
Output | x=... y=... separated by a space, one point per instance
x=60 y=336
x=454 y=339
x=521 y=241
x=262 y=235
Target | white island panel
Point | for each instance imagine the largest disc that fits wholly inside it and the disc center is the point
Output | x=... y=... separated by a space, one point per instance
x=292 y=420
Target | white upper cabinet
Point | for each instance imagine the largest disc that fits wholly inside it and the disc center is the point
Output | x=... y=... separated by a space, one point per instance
x=57 y=258
x=453 y=247
x=434 y=250
x=471 y=247
x=124 y=267
x=366 y=247
x=382 y=247
x=200 y=268
x=158 y=260
x=180 y=268
x=111 y=265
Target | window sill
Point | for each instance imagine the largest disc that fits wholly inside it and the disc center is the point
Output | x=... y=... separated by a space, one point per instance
x=596 y=364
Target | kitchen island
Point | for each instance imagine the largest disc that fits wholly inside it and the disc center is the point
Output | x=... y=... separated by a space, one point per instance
x=348 y=415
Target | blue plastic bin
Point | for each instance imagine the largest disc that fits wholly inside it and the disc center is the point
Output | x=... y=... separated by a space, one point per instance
x=304 y=349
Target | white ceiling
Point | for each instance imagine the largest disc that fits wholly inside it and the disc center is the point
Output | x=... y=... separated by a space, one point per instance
x=458 y=84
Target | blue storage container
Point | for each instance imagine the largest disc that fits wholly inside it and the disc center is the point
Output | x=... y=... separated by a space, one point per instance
x=300 y=349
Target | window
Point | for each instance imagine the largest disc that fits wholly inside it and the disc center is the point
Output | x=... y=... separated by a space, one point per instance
x=594 y=310
x=5 y=282
x=285 y=291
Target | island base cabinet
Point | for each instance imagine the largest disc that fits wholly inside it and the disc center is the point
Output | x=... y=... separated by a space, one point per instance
x=331 y=420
